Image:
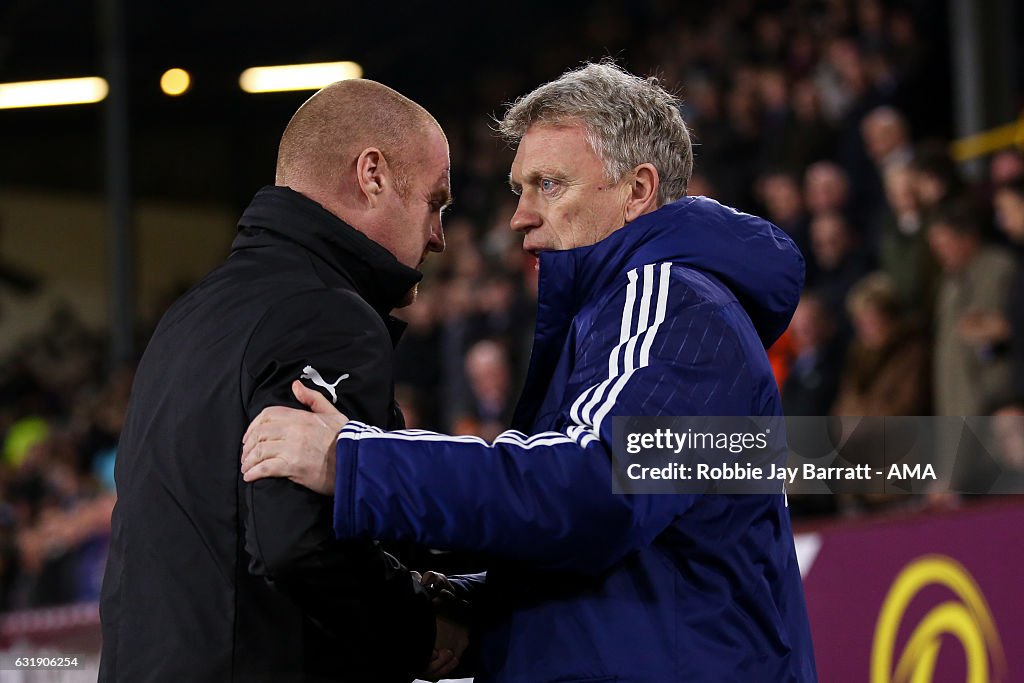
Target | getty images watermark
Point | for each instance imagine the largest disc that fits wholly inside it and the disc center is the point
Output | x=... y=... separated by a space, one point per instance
x=856 y=455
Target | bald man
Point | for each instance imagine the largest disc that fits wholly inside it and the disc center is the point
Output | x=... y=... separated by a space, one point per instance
x=210 y=578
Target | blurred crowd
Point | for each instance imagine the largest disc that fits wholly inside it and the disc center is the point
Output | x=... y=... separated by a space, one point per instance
x=830 y=118
x=61 y=410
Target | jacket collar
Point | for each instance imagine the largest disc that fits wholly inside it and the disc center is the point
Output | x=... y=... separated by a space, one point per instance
x=572 y=277
x=755 y=260
x=568 y=280
x=375 y=273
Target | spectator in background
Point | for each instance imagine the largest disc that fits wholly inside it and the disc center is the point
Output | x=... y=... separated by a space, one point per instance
x=838 y=262
x=491 y=394
x=8 y=552
x=419 y=363
x=935 y=178
x=459 y=330
x=1008 y=437
x=969 y=369
x=741 y=142
x=904 y=254
x=813 y=378
x=505 y=315
x=871 y=24
x=905 y=48
x=827 y=191
x=886 y=370
x=1009 y=205
x=777 y=127
x=840 y=77
x=778 y=191
x=886 y=138
x=997 y=466
x=811 y=135
x=826 y=188
x=1007 y=166
x=864 y=82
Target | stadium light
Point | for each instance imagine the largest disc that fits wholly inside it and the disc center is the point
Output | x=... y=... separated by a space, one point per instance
x=175 y=82
x=53 y=92
x=297 y=76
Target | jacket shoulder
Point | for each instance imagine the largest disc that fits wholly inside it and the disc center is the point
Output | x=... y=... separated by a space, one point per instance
x=332 y=315
x=331 y=307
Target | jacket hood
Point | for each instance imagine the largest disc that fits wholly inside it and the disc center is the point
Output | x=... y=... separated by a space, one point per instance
x=757 y=261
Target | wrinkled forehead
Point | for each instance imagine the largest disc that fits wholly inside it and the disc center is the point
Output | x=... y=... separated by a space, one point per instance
x=551 y=145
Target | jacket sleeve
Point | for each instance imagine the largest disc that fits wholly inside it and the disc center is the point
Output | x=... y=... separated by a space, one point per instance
x=338 y=346
x=547 y=499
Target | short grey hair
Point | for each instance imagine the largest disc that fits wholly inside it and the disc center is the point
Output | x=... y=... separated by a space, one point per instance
x=629 y=121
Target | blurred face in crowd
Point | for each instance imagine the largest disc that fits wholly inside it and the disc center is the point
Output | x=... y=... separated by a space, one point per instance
x=953 y=250
x=825 y=187
x=1010 y=213
x=929 y=188
x=811 y=326
x=1008 y=430
x=781 y=196
x=899 y=190
x=487 y=368
x=845 y=58
x=773 y=90
x=883 y=133
x=565 y=198
x=830 y=240
x=806 y=100
x=1006 y=166
x=873 y=327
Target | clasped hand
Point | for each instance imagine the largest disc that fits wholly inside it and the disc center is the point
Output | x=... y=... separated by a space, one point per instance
x=300 y=445
x=295 y=444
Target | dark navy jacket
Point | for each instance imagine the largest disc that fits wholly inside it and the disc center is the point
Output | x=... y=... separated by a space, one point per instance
x=667 y=316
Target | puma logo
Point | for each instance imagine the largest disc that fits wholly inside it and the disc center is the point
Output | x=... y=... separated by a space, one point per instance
x=310 y=373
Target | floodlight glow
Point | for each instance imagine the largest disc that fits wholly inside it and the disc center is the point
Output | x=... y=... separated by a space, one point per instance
x=175 y=82
x=297 y=76
x=53 y=92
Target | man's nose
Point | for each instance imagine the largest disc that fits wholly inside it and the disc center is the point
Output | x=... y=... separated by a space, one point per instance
x=436 y=241
x=524 y=218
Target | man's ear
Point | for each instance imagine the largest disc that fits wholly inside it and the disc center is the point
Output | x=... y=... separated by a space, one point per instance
x=643 y=192
x=371 y=173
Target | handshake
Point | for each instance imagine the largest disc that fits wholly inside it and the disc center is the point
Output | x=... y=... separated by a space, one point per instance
x=452 y=615
x=299 y=445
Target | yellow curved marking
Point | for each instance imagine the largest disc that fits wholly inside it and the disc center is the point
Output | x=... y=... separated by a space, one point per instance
x=970 y=621
x=922 y=650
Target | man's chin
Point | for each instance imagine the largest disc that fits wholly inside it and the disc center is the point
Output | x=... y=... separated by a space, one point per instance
x=409 y=297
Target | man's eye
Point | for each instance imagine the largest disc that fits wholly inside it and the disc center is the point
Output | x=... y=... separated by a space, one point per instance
x=547 y=185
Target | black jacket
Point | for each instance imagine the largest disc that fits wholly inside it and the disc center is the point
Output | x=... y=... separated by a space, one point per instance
x=210 y=578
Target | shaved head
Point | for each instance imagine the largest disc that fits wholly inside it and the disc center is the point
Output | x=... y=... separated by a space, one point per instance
x=326 y=135
x=376 y=160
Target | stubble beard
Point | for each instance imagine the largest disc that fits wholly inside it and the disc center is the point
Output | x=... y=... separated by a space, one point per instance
x=410 y=296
